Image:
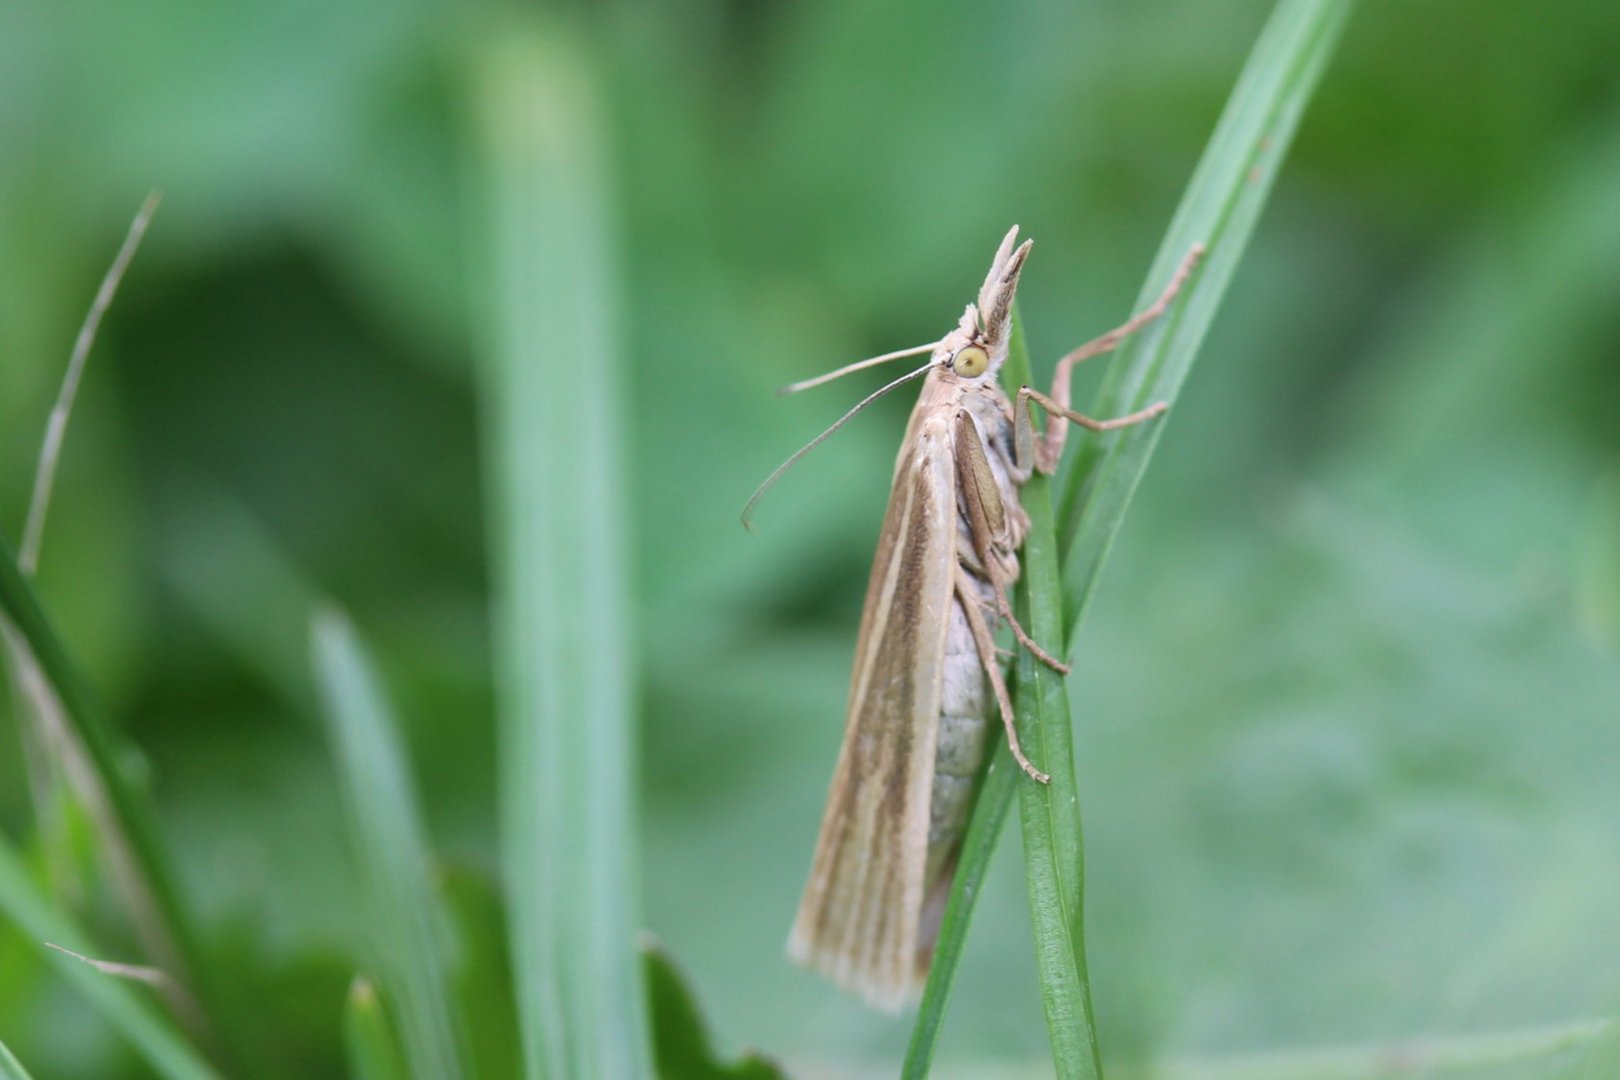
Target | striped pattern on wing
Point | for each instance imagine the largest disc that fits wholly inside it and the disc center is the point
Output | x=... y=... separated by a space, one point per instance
x=858 y=921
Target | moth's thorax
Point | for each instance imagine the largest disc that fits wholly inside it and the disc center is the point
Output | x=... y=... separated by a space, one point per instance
x=969 y=384
x=945 y=391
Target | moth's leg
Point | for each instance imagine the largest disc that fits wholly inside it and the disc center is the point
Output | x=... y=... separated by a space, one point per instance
x=1046 y=454
x=1005 y=610
x=1001 y=607
x=987 y=522
x=986 y=646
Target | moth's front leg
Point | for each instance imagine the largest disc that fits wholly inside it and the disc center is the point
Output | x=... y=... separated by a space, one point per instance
x=1045 y=453
x=987 y=524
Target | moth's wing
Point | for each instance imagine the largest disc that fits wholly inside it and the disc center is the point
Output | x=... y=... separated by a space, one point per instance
x=858 y=921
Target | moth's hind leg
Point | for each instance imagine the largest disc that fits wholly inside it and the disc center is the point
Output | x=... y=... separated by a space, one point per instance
x=986 y=646
x=1004 y=609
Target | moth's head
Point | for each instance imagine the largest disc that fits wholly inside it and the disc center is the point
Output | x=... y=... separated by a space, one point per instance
x=976 y=349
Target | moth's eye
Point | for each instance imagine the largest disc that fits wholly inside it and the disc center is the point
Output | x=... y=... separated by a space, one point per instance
x=970 y=360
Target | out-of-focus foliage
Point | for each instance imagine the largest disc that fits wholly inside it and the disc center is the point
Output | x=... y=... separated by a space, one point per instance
x=1347 y=735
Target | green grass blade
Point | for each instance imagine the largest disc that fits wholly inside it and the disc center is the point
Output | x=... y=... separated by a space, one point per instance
x=554 y=427
x=10 y=1067
x=1220 y=208
x=408 y=924
x=984 y=828
x=1054 y=879
x=369 y=1038
x=1578 y=1050
x=124 y=1005
x=50 y=453
x=227 y=564
x=124 y=818
x=1050 y=813
x=483 y=969
x=59 y=808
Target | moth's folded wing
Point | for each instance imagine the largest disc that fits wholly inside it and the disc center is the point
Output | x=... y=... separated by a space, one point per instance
x=858 y=921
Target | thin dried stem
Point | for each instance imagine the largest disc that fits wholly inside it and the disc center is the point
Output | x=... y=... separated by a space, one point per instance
x=56 y=428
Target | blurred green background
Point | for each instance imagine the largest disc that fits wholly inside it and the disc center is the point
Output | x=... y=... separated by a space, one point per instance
x=1348 y=707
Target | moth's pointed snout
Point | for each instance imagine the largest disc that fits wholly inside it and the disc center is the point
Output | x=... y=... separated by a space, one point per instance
x=1001 y=286
x=997 y=266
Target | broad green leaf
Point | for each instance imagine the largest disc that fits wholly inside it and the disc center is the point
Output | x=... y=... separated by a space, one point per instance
x=681 y=1046
x=552 y=390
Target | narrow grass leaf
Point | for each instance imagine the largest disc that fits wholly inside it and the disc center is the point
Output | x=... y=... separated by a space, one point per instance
x=368 y=1037
x=483 y=970
x=123 y=1005
x=1040 y=599
x=120 y=810
x=240 y=581
x=47 y=742
x=1582 y=1050
x=1050 y=813
x=1219 y=209
x=50 y=453
x=409 y=927
x=10 y=1067
x=1044 y=731
x=973 y=865
x=68 y=750
x=554 y=425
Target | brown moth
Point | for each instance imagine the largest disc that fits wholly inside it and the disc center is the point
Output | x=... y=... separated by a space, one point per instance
x=917 y=729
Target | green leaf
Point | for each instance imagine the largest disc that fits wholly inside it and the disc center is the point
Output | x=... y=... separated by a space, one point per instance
x=554 y=425
x=10 y=1067
x=372 y=1043
x=1049 y=836
x=984 y=827
x=1050 y=813
x=484 y=975
x=118 y=1002
x=126 y=822
x=681 y=1047
x=1219 y=210
x=409 y=927
x=1584 y=1050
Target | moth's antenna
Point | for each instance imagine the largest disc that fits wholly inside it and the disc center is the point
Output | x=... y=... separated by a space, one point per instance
x=753 y=500
x=857 y=366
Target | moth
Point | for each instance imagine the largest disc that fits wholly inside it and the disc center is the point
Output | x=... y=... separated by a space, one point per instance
x=918 y=725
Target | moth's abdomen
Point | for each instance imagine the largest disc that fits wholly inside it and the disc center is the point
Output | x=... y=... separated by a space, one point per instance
x=960 y=748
